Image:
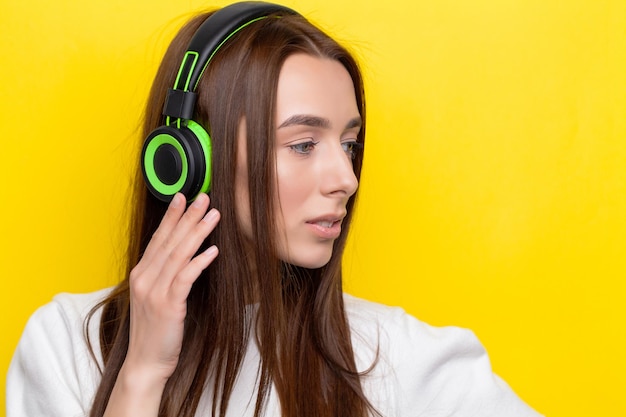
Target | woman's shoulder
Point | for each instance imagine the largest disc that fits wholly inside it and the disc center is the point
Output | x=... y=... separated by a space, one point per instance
x=55 y=368
x=67 y=312
x=424 y=367
x=62 y=321
x=75 y=304
x=372 y=318
x=398 y=335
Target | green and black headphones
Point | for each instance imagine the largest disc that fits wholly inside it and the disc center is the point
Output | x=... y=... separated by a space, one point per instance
x=176 y=157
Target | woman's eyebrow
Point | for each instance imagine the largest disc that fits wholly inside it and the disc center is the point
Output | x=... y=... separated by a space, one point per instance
x=315 y=121
x=306 y=120
x=356 y=122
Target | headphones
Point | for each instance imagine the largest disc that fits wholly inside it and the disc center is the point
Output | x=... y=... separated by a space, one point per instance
x=176 y=157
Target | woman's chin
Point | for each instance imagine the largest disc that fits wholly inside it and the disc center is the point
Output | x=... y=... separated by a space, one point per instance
x=309 y=262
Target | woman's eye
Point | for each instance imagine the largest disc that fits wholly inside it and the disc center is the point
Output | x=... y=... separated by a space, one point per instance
x=304 y=148
x=352 y=148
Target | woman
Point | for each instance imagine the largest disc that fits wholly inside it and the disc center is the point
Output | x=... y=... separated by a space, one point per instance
x=240 y=312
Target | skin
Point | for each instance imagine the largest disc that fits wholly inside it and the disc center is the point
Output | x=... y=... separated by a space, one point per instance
x=317 y=123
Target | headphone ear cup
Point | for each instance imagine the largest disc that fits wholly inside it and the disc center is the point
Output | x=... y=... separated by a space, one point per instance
x=204 y=140
x=177 y=160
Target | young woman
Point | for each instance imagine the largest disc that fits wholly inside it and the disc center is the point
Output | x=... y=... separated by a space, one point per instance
x=238 y=310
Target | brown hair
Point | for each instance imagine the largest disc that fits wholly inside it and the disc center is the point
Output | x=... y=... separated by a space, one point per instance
x=301 y=327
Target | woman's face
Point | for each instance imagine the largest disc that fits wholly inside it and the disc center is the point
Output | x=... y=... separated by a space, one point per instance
x=317 y=121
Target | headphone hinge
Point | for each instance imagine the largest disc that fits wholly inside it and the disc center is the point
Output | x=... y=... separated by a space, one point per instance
x=179 y=104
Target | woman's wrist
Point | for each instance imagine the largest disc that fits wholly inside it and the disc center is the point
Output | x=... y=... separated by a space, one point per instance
x=137 y=392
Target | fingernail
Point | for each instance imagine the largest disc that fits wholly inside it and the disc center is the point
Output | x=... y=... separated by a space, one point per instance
x=210 y=216
x=175 y=201
x=199 y=200
x=211 y=251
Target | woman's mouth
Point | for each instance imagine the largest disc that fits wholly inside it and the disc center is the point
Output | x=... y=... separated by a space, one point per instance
x=325 y=228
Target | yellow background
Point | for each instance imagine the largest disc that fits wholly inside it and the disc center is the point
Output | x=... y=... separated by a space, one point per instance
x=494 y=191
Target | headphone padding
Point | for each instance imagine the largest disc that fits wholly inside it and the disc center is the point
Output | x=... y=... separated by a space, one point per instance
x=194 y=153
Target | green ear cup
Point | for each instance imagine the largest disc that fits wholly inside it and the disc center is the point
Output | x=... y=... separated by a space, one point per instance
x=205 y=142
x=177 y=160
x=156 y=173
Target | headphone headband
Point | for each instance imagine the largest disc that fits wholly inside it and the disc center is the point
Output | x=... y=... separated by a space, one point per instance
x=207 y=40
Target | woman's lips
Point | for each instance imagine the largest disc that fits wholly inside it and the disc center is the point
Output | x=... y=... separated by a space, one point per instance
x=325 y=229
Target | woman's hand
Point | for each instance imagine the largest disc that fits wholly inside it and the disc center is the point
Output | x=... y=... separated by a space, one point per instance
x=159 y=286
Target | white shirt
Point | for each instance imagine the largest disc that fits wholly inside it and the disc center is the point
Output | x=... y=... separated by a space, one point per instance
x=421 y=370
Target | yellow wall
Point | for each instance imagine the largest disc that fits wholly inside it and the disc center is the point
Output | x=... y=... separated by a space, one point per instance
x=494 y=193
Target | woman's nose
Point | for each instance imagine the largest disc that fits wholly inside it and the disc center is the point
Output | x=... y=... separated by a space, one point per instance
x=337 y=173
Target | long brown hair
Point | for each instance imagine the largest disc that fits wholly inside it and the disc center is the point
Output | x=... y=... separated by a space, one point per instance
x=301 y=327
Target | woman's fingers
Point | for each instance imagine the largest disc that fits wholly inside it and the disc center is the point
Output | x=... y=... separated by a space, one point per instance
x=170 y=257
x=181 y=285
x=169 y=221
x=161 y=282
x=179 y=265
x=175 y=228
x=187 y=222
